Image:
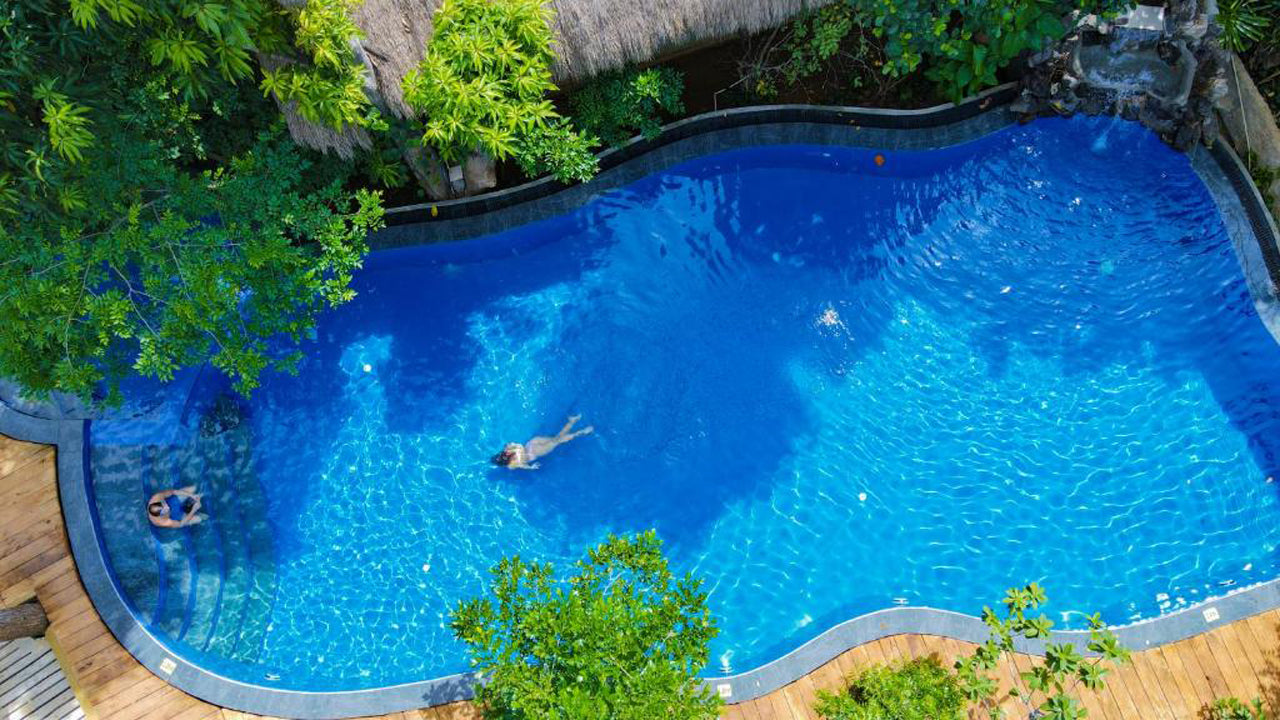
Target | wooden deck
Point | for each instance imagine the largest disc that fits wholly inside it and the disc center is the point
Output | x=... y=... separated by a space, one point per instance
x=1169 y=683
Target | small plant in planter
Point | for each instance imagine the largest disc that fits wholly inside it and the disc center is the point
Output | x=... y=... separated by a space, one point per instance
x=620 y=638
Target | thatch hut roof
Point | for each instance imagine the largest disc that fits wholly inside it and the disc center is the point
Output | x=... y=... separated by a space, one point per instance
x=593 y=36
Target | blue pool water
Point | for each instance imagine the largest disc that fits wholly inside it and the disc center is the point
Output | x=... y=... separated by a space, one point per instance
x=832 y=387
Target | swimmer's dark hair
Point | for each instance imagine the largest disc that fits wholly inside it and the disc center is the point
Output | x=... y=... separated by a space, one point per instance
x=503 y=459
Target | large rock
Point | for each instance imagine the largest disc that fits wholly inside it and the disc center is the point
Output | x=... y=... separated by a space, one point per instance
x=1250 y=125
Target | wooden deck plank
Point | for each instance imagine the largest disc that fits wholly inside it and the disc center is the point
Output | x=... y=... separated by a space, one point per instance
x=1209 y=666
x=778 y=703
x=828 y=677
x=1182 y=655
x=1239 y=652
x=1145 y=668
x=1226 y=661
x=747 y=710
x=1177 y=688
x=15 y=458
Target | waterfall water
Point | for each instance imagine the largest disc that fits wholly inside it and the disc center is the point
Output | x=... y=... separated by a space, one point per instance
x=1100 y=143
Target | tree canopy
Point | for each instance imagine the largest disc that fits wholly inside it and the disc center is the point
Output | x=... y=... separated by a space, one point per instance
x=153 y=213
x=619 y=639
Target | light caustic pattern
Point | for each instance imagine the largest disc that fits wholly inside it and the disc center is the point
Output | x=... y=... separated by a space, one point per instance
x=833 y=386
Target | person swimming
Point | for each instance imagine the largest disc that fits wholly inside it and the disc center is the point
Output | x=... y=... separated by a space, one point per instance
x=174 y=508
x=515 y=456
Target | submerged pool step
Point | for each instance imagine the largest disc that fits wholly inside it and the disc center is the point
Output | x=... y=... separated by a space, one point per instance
x=197 y=469
x=224 y=514
x=175 y=547
x=261 y=589
x=233 y=624
x=210 y=585
x=224 y=637
x=127 y=535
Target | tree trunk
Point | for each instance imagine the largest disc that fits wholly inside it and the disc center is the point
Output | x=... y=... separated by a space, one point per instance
x=26 y=620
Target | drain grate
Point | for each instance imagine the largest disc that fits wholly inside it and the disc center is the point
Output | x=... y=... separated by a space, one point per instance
x=1250 y=200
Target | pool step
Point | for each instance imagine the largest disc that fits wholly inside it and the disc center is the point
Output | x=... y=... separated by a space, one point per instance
x=224 y=633
x=262 y=557
x=175 y=548
x=210 y=585
x=204 y=603
x=127 y=533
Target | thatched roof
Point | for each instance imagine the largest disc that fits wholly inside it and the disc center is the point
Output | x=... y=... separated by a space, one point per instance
x=593 y=36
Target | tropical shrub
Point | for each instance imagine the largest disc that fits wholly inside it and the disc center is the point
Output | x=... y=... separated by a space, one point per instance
x=201 y=44
x=616 y=106
x=1244 y=22
x=482 y=87
x=962 y=44
x=558 y=150
x=1233 y=709
x=618 y=639
x=322 y=77
x=920 y=689
x=818 y=42
x=1055 y=678
x=196 y=45
x=152 y=213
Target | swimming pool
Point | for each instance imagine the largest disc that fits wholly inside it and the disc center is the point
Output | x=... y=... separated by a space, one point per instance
x=833 y=386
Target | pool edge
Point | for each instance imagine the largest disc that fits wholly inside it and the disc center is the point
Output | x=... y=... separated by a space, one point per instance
x=1239 y=205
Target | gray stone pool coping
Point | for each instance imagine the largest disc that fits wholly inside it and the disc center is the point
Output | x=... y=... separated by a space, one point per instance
x=1254 y=236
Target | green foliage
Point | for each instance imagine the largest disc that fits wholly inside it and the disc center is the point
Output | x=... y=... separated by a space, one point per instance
x=807 y=45
x=962 y=44
x=1244 y=22
x=197 y=44
x=560 y=151
x=145 y=226
x=1263 y=177
x=482 y=86
x=616 y=106
x=1233 y=709
x=1055 y=678
x=620 y=639
x=157 y=270
x=824 y=53
x=200 y=44
x=920 y=689
x=326 y=82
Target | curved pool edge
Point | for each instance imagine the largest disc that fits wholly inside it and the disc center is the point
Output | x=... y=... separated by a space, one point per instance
x=1242 y=212
x=880 y=128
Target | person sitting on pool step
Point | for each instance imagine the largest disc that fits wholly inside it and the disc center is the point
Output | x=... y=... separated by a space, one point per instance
x=174 y=508
x=521 y=457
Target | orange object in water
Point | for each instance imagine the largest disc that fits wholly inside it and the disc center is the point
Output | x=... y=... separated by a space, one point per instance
x=879 y=160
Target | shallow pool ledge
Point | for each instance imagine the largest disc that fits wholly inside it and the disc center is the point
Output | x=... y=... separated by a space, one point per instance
x=1243 y=214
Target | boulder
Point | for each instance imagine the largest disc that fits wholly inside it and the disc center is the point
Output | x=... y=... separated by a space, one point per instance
x=1249 y=124
x=1186 y=137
